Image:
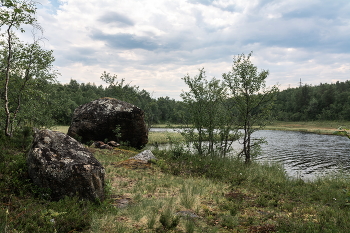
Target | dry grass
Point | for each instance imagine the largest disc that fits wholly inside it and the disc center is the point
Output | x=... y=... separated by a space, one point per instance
x=61 y=128
x=164 y=137
x=251 y=199
x=319 y=127
x=150 y=192
x=221 y=195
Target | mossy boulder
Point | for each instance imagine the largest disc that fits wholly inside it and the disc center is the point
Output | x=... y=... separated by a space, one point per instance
x=109 y=119
x=63 y=165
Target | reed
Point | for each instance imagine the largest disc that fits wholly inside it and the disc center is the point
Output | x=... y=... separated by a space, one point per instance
x=164 y=137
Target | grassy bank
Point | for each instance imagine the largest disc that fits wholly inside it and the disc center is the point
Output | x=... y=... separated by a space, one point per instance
x=176 y=193
x=320 y=127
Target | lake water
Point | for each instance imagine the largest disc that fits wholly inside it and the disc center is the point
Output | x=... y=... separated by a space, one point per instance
x=303 y=155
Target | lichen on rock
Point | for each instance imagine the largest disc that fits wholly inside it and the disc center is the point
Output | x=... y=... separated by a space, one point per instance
x=58 y=162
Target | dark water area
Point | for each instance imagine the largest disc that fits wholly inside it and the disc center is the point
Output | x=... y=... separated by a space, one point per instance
x=306 y=155
x=303 y=155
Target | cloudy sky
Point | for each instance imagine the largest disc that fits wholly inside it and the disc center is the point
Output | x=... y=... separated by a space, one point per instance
x=153 y=44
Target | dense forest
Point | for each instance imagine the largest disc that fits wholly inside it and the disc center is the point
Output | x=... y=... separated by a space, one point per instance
x=309 y=103
x=304 y=103
x=66 y=97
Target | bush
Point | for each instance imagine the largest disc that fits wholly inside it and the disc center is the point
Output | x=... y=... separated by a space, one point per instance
x=168 y=220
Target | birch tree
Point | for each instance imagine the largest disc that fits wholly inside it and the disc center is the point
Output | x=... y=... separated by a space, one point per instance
x=22 y=65
x=208 y=126
x=251 y=101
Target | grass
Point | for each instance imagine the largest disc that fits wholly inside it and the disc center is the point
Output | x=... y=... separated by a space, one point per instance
x=61 y=128
x=319 y=127
x=164 y=137
x=216 y=195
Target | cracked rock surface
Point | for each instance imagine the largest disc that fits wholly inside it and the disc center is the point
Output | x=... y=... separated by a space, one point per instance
x=60 y=163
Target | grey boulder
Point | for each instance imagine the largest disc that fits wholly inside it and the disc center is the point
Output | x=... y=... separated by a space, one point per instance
x=109 y=119
x=58 y=162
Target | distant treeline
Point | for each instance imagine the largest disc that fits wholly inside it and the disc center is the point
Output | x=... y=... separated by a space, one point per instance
x=304 y=103
x=308 y=103
x=67 y=97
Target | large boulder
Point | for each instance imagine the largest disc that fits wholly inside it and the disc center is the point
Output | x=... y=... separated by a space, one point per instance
x=99 y=119
x=60 y=163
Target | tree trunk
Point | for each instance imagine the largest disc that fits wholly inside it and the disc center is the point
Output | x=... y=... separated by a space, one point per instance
x=8 y=130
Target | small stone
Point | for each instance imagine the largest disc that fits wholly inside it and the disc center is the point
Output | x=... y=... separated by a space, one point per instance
x=145 y=156
x=105 y=146
x=113 y=144
x=98 y=144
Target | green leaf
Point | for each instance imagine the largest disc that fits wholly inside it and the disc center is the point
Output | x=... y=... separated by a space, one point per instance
x=19 y=11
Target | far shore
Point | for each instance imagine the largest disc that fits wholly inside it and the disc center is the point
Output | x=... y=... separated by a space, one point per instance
x=319 y=127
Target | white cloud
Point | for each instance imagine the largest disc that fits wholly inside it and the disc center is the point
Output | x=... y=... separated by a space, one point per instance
x=153 y=44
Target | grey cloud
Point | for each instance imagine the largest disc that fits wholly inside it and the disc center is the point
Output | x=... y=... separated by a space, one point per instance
x=116 y=18
x=125 y=41
x=228 y=7
x=326 y=10
x=203 y=2
x=83 y=55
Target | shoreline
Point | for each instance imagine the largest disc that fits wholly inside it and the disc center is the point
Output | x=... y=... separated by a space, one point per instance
x=318 y=127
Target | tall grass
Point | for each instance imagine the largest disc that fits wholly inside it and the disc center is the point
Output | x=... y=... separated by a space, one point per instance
x=288 y=204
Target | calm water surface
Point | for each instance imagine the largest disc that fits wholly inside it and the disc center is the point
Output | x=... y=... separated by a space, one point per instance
x=303 y=155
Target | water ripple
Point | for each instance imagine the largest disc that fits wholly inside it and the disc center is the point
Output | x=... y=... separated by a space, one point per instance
x=303 y=155
x=306 y=155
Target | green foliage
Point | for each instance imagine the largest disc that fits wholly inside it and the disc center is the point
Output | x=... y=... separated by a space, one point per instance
x=217 y=110
x=152 y=220
x=229 y=221
x=188 y=197
x=26 y=71
x=251 y=102
x=342 y=132
x=291 y=205
x=190 y=225
x=117 y=132
x=15 y=13
x=209 y=122
x=310 y=103
x=229 y=196
x=168 y=220
x=63 y=216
